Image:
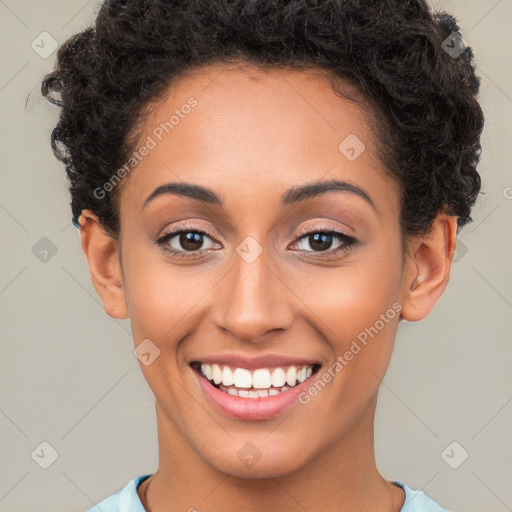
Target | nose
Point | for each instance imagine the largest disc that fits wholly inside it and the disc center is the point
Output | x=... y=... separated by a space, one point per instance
x=254 y=301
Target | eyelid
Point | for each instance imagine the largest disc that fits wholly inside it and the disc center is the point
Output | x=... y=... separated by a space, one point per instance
x=185 y=227
x=343 y=230
x=314 y=229
x=170 y=233
x=348 y=242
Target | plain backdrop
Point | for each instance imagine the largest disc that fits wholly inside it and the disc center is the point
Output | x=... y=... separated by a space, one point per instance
x=68 y=376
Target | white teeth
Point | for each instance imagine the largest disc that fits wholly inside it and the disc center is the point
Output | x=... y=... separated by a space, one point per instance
x=278 y=378
x=217 y=374
x=252 y=393
x=261 y=382
x=261 y=379
x=291 y=376
x=242 y=378
x=227 y=376
x=207 y=371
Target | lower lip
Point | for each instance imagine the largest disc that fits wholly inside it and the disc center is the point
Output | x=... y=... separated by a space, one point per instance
x=253 y=409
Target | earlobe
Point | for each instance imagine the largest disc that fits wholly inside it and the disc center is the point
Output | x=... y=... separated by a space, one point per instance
x=427 y=268
x=101 y=253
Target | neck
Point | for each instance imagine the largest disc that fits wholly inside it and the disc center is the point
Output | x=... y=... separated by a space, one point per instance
x=342 y=477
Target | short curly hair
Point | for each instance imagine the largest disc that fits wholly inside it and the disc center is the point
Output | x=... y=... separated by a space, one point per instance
x=394 y=51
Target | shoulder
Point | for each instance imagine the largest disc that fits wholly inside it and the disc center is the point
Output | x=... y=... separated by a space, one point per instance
x=418 y=501
x=125 y=500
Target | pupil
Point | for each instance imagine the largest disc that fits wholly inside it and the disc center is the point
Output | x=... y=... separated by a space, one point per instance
x=320 y=241
x=191 y=241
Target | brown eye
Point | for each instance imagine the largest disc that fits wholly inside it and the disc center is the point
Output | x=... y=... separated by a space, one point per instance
x=322 y=241
x=190 y=240
x=185 y=240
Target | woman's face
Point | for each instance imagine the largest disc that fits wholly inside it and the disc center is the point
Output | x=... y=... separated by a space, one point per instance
x=255 y=292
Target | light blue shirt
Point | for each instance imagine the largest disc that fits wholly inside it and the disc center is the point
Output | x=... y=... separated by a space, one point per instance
x=127 y=500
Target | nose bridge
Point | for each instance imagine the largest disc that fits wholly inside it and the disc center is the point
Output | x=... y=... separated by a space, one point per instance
x=256 y=301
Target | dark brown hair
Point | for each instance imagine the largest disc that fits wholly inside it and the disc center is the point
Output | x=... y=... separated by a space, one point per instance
x=391 y=50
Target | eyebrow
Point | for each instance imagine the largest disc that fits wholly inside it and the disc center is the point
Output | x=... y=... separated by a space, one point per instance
x=293 y=195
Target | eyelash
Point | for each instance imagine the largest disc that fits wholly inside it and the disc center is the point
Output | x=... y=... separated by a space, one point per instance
x=348 y=241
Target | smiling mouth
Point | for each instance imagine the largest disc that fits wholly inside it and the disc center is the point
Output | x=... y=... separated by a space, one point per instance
x=258 y=383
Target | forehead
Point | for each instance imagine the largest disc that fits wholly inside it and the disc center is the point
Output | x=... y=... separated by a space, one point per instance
x=255 y=132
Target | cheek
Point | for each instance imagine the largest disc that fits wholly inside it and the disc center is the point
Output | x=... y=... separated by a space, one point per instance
x=353 y=296
x=366 y=322
x=347 y=298
x=157 y=295
x=356 y=308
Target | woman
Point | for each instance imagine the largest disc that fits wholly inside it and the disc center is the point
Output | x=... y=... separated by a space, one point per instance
x=267 y=189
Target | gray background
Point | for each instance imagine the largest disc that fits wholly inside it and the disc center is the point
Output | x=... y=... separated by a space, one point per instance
x=68 y=375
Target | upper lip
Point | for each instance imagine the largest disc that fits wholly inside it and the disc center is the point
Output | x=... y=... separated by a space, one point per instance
x=253 y=362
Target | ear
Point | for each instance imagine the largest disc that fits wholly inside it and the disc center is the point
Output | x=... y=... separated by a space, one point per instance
x=101 y=252
x=427 y=268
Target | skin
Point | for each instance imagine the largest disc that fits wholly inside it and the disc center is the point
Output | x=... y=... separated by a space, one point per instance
x=253 y=134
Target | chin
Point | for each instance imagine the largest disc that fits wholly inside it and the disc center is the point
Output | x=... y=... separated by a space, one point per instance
x=258 y=459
